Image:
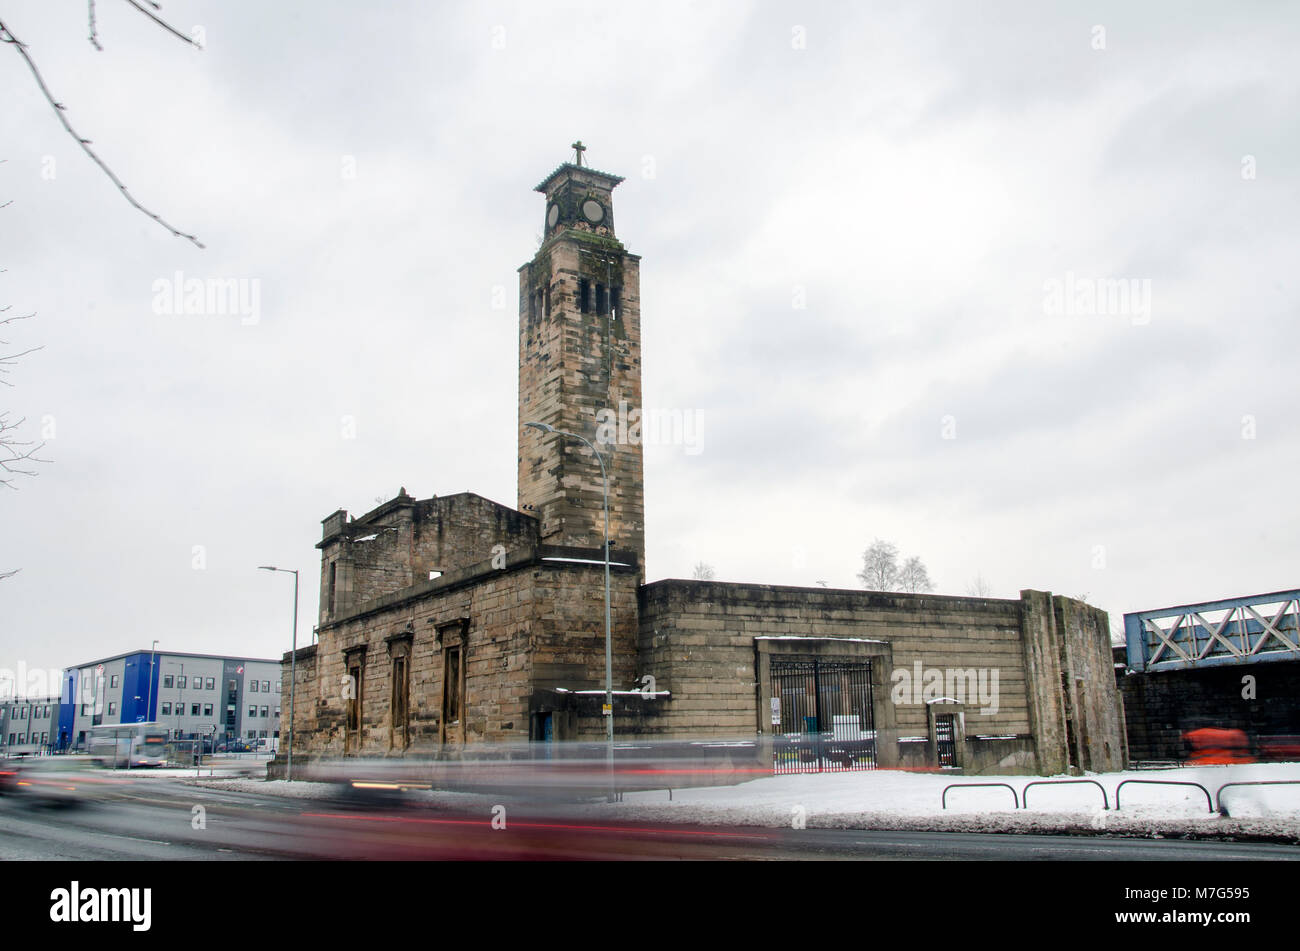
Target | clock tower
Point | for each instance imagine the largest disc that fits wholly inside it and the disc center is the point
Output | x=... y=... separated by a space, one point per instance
x=580 y=368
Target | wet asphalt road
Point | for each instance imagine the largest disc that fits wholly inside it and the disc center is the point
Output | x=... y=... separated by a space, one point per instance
x=169 y=820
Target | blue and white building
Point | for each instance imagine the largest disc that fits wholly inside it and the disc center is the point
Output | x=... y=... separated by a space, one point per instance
x=190 y=694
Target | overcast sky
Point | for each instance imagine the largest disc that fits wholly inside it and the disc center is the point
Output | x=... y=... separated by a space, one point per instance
x=870 y=238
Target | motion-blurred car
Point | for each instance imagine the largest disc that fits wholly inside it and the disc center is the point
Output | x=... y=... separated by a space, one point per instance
x=54 y=780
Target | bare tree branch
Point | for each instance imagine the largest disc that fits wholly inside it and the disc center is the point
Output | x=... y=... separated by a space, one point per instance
x=162 y=23
x=6 y=36
x=13 y=454
x=7 y=360
x=94 y=33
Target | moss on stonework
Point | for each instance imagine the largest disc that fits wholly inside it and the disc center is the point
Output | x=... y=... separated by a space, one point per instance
x=595 y=240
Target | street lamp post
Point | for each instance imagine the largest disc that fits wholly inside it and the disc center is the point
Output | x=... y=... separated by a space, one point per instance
x=148 y=703
x=609 y=670
x=293 y=662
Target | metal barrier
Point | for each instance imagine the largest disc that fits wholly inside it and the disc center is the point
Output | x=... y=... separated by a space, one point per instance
x=944 y=799
x=1257 y=782
x=1063 y=782
x=1163 y=782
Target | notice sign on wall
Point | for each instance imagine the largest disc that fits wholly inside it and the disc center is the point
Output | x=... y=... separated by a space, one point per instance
x=776 y=711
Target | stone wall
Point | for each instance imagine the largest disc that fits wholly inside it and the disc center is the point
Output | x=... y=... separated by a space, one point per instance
x=697 y=639
x=1094 y=730
x=537 y=623
x=1010 y=663
x=399 y=543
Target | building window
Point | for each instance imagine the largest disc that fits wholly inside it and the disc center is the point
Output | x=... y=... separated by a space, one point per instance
x=207 y=707
x=615 y=302
x=265 y=712
x=252 y=684
x=232 y=685
x=113 y=681
x=277 y=686
x=169 y=680
x=252 y=734
x=584 y=295
x=354 y=709
x=167 y=708
x=333 y=578
x=401 y=690
x=452 y=694
x=212 y=682
x=194 y=709
x=266 y=686
x=85 y=709
x=112 y=707
x=277 y=713
x=252 y=711
x=180 y=683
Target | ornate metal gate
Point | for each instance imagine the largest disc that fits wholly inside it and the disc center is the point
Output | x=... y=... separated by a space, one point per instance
x=825 y=714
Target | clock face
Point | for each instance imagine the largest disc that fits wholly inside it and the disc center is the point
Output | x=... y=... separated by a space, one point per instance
x=553 y=216
x=592 y=211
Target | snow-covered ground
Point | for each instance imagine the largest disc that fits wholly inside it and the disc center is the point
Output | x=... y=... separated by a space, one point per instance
x=880 y=799
x=889 y=799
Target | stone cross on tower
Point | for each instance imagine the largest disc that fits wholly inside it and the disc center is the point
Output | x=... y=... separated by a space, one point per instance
x=578 y=149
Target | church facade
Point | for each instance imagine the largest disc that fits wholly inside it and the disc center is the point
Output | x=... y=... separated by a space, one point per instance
x=457 y=620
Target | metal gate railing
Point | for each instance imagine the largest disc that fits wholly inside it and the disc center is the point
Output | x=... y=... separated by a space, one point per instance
x=825 y=713
x=945 y=740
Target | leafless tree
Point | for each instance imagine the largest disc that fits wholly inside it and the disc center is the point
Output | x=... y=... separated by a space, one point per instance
x=979 y=587
x=17 y=455
x=703 y=572
x=879 y=567
x=913 y=577
x=60 y=110
x=882 y=572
